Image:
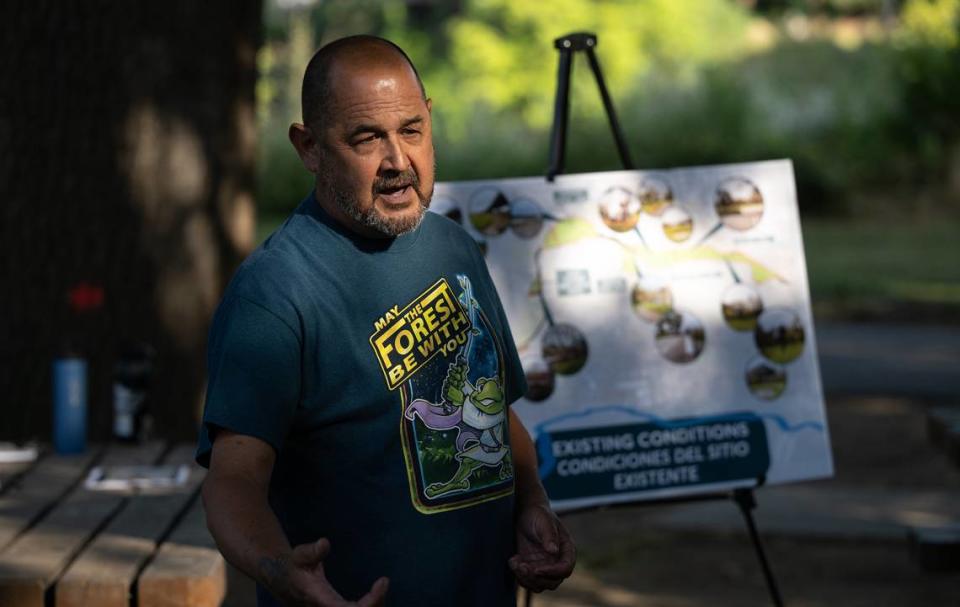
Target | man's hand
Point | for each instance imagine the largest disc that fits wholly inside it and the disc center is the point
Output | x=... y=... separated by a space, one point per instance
x=300 y=580
x=250 y=537
x=545 y=553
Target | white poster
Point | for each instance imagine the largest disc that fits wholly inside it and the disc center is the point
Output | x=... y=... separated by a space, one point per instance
x=664 y=323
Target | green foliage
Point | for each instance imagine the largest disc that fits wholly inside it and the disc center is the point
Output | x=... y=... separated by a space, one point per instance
x=492 y=75
x=826 y=108
x=499 y=53
x=282 y=182
x=931 y=23
x=690 y=83
x=929 y=45
x=291 y=37
x=828 y=7
x=439 y=454
x=815 y=103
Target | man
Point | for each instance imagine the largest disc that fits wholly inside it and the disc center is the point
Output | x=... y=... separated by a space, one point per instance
x=357 y=426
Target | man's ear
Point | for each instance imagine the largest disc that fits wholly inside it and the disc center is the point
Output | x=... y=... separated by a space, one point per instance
x=429 y=105
x=306 y=145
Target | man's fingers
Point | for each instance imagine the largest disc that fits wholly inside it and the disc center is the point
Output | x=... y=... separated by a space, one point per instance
x=568 y=551
x=541 y=567
x=532 y=579
x=540 y=584
x=546 y=555
x=544 y=530
x=559 y=561
x=566 y=556
x=539 y=570
x=536 y=579
x=308 y=555
x=377 y=594
x=532 y=559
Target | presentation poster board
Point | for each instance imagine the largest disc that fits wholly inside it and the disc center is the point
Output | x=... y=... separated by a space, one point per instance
x=664 y=324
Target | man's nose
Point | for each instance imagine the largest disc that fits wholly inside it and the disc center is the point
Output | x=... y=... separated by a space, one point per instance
x=394 y=155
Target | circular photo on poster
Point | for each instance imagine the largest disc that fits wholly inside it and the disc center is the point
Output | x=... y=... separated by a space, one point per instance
x=780 y=335
x=489 y=211
x=680 y=336
x=448 y=207
x=651 y=299
x=655 y=196
x=739 y=203
x=766 y=380
x=564 y=348
x=677 y=224
x=741 y=306
x=526 y=218
x=619 y=209
x=540 y=378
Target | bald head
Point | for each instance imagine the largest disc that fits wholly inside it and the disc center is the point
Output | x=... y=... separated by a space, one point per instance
x=336 y=61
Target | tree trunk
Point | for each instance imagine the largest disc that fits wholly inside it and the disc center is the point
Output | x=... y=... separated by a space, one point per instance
x=127 y=140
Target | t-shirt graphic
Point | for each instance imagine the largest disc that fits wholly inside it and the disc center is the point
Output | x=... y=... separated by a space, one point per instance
x=441 y=354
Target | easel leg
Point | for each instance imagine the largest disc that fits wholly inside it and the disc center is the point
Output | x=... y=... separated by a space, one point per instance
x=568 y=45
x=561 y=112
x=746 y=502
x=622 y=148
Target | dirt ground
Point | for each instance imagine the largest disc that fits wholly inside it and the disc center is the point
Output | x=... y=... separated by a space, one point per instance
x=624 y=562
x=877 y=442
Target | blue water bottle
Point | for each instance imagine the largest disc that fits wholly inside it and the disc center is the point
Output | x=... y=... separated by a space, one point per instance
x=70 y=405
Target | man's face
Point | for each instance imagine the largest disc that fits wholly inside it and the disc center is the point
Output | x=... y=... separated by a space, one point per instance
x=376 y=151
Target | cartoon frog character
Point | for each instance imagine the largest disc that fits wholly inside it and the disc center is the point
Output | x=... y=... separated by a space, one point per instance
x=479 y=413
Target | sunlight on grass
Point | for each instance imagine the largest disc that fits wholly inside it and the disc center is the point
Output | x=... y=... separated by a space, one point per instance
x=904 y=262
x=926 y=292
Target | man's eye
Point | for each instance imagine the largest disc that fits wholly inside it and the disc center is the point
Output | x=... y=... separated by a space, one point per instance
x=411 y=132
x=365 y=139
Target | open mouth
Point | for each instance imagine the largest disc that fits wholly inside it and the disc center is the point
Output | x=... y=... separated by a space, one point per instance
x=394 y=194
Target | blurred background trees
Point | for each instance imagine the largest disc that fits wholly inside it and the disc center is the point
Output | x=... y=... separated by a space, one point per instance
x=862 y=94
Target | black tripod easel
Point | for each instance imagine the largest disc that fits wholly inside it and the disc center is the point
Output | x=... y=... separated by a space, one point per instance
x=744 y=497
x=568 y=45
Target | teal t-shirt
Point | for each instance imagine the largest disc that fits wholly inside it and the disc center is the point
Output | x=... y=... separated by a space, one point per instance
x=381 y=372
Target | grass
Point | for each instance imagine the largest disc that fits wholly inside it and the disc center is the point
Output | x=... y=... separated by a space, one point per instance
x=863 y=270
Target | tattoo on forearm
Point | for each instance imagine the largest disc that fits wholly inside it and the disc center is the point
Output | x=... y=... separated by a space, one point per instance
x=274 y=571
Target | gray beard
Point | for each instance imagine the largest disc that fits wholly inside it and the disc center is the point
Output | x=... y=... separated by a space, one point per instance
x=371 y=218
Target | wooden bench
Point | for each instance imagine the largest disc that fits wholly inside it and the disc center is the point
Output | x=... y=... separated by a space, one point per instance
x=64 y=545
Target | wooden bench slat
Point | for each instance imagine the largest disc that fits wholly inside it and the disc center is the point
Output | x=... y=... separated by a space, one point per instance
x=104 y=573
x=11 y=471
x=29 y=496
x=188 y=569
x=32 y=562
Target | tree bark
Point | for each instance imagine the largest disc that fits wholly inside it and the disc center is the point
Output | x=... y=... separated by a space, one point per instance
x=127 y=142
